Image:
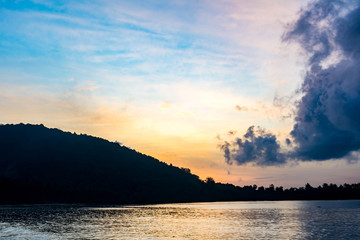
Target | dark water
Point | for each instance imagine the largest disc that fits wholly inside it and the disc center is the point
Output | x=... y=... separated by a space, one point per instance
x=226 y=220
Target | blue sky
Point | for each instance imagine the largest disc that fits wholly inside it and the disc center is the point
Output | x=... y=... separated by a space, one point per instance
x=163 y=77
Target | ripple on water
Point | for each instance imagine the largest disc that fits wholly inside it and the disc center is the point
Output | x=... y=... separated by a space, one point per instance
x=233 y=220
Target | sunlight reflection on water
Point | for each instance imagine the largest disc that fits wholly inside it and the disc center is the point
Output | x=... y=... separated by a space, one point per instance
x=225 y=220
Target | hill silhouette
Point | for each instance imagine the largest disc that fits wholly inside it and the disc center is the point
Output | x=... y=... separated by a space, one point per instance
x=42 y=165
x=49 y=165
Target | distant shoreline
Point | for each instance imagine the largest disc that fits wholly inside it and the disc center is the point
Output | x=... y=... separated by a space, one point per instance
x=84 y=205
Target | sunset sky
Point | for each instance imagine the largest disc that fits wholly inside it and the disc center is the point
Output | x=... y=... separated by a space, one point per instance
x=183 y=81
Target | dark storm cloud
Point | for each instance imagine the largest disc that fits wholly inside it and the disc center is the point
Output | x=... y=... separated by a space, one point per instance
x=327 y=117
x=327 y=121
x=256 y=146
x=225 y=147
x=310 y=29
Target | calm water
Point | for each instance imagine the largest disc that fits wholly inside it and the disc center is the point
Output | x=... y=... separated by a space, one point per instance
x=226 y=220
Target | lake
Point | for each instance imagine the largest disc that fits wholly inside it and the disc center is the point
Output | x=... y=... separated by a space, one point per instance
x=219 y=220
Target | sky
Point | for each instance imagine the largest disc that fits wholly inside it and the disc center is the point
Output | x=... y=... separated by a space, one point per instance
x=247 y=92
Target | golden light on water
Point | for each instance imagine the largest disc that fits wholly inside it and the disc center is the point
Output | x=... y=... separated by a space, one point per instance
x=217 y=221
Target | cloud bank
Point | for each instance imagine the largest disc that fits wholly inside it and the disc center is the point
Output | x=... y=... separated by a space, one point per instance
x=327 y=117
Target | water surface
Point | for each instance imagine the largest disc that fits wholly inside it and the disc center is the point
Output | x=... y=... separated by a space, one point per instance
x=225 y=220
